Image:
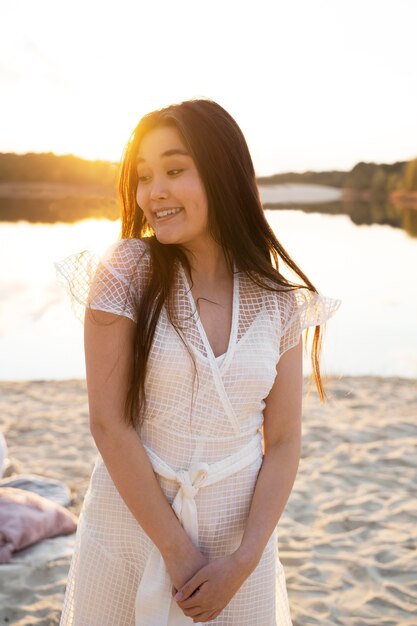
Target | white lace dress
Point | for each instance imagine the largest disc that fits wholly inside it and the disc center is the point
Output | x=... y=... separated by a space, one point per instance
x=206 y=449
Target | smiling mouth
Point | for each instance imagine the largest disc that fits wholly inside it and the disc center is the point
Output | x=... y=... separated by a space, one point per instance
x=160 y=215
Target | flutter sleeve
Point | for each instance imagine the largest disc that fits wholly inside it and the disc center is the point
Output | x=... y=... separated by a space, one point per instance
x=109 y=282
x=299 y=309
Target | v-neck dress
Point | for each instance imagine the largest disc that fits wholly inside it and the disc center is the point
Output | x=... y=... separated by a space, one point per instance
x=203 y=436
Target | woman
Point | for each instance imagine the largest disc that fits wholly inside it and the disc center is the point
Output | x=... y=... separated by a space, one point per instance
x=193 y=353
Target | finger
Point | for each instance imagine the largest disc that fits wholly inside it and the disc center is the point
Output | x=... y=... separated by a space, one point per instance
x=193 y=612
x=173 y=590
x=206 y=616
x=215 y=614
x=190 y=586
x=191 y=602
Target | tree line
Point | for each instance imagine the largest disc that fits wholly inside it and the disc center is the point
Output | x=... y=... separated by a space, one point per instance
x=51 y=168
x=379 y=179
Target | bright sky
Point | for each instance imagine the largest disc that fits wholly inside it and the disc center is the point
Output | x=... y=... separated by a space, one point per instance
x=315 y=85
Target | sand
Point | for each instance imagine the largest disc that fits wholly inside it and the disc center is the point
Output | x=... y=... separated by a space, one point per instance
x=348 y=534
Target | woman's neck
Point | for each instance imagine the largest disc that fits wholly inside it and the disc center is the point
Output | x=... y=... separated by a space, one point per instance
x=209 y=265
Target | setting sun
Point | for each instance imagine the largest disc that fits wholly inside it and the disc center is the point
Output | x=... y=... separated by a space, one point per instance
x=312 y=84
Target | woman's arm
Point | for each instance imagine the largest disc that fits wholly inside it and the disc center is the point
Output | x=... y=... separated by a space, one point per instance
x=282 y=437
x=108 y=357
x=207 y=593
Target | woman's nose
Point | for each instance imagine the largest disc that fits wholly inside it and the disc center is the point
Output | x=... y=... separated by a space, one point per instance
x=158 y=189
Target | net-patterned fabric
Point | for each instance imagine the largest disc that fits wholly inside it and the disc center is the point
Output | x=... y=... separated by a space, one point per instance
x=110 y=282
x=208 y=438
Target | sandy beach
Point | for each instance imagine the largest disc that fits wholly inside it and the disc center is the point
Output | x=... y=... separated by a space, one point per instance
x=348 y=535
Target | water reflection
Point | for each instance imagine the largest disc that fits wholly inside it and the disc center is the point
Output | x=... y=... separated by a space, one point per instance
x=376 y=211
x=50 y=203
x=369 y=267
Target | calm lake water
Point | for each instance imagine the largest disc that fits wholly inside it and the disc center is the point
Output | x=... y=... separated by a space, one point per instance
x=370 y=268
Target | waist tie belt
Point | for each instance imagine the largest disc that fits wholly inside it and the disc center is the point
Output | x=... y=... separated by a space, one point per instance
x=154 y=605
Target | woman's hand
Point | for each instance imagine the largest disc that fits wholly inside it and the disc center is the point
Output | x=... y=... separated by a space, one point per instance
x=210 y=590
x=183 y=565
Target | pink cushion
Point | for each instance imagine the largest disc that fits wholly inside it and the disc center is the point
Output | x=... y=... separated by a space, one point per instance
x=26 y=518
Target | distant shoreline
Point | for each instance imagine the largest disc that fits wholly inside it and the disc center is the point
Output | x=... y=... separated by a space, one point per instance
x=50 y=202
x=57 y=202
x=48 y=188
x=52 y=191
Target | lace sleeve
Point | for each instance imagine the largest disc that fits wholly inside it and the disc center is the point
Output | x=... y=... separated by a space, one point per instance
x=299 y=309
x=111 y=282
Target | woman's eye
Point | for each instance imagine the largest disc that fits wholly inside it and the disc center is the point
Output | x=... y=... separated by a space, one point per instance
x=143 y=179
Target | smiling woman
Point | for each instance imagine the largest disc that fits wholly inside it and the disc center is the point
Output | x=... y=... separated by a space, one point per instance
x=179 y=524
x=170 y=191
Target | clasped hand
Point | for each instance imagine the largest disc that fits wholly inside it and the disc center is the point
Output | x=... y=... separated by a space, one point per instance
x=204 y=596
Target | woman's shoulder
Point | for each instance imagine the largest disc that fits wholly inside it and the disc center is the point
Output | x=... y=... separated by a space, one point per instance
x=297 y=304
x=126 y=257
x=305 y=307
x=105 y=279
x=131 y=248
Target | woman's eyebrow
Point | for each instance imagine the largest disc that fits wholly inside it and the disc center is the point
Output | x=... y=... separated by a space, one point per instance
x=166 y=154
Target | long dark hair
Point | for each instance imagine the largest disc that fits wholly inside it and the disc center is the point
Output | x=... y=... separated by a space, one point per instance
x=236 y=221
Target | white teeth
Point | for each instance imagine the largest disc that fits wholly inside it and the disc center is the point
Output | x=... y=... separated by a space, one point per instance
x=168 y=212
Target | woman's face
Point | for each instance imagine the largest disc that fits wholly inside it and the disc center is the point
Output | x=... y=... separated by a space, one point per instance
x=169 y=179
